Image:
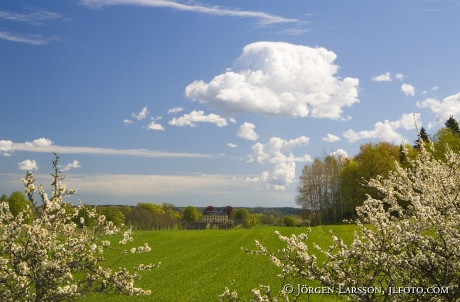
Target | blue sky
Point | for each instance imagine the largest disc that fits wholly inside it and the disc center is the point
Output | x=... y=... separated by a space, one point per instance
x=215 y=102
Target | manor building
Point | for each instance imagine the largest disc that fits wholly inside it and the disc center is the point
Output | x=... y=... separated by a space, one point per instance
x=215 y=217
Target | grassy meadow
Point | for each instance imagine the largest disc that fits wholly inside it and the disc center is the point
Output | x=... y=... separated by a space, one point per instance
x=198 y=265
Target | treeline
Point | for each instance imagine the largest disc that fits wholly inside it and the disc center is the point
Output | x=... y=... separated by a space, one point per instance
x=331 y=188
x=151 y=216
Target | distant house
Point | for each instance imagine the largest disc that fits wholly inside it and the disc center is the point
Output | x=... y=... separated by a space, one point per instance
x=215 y=217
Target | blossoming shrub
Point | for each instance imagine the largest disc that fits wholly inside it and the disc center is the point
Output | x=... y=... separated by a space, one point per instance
x=53 y=258
x=408 y=247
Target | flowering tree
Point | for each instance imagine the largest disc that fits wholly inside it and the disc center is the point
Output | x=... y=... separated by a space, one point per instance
x=407 y=249
x=55 y=257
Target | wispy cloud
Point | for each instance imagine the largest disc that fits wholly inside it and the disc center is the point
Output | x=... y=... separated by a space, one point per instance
x=8 y=147
x=37 y=17
x=32 y=39
x=141 y=115
x=264 y=18
x=175 y=110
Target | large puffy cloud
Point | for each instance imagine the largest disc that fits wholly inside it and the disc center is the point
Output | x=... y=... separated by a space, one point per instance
x=386 y=130
x=278 y=152
x=443 y=109
x=247 y=131
x=276 y=78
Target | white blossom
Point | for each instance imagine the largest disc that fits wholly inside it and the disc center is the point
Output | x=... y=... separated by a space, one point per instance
x=53 y=248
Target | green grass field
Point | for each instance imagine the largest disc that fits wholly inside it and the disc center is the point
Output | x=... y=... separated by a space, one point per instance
x=198 y=265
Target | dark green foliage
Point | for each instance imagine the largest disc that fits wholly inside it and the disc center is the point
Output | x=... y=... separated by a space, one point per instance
x=422 y=138
x=289 y=221
x=452 y=124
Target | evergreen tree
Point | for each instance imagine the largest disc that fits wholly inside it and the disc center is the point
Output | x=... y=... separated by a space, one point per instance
x=452 y=124
x=422 y=137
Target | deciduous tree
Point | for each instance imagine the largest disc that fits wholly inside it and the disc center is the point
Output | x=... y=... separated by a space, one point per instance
x=190 y=214
x=319 y=190
x=242 y=217
x=18 y=203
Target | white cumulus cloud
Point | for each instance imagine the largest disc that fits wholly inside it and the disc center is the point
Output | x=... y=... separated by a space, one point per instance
x=28 y=165
x=198 y=117
x=386 y=77
x=6 y=147
x=72 y=165
x=141 y=115
x=340 y=154
x=387 y=130
x=408 y=89
x=276 y=78
x=278 y=152
x=247 y=131
x=40 y=142
x=232 y=145
x=442 y=109
x=331 y=138
x=155 y=126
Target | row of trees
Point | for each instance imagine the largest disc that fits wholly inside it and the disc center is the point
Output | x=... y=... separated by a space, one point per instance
x=331 y=188
x=150 y=216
